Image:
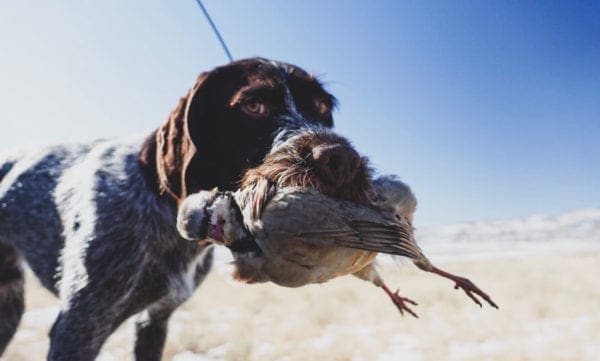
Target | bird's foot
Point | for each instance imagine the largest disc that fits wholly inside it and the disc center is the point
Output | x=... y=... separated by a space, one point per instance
x=400 y=301
x=467 y=286
x=470 y=289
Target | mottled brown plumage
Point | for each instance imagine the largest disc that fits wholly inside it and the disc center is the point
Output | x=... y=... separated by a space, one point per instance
x=289 y=226
x=325 y=237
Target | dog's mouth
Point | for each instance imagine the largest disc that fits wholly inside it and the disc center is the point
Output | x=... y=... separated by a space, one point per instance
x=245 y=246
x=247 y=259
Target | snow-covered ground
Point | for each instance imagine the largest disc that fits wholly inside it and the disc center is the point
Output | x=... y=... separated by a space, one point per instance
x=541 y=270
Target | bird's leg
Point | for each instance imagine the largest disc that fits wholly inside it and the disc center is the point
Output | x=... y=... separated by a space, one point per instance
x=369 y=273
x=400 y=301
x=465 y=284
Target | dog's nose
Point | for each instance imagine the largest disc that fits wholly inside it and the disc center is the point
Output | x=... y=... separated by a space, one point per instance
x=336 y=163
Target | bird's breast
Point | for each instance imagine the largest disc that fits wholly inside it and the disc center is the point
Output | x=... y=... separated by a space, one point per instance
x=358 y=261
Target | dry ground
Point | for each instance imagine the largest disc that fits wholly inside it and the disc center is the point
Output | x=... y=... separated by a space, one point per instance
x=549 y=311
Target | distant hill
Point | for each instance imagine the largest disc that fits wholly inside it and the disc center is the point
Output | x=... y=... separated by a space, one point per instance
x=577 y=226
x=573 y=231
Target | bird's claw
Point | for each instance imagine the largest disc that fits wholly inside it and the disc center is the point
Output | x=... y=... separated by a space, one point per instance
x=401 y=302
x=466 y=285
x=471 y=290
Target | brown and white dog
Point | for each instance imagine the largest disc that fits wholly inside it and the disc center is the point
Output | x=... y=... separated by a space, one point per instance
x=96 y=221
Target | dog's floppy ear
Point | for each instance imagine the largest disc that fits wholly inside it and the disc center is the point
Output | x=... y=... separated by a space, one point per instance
x=189 y=146
x=173 y=146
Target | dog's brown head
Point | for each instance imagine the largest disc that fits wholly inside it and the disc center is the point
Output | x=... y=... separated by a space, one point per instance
x=229 y=121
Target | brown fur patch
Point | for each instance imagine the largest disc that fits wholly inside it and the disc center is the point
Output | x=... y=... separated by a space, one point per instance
x=290 y=166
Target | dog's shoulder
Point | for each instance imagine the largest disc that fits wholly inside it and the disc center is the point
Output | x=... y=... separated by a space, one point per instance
x=32 y=162
x=109 y=179
x=101 y=177
x=29 y=175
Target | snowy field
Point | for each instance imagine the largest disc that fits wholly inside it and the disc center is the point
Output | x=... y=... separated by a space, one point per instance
x=542 y=271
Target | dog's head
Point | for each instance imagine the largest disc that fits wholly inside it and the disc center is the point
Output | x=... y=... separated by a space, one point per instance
x=232 y=117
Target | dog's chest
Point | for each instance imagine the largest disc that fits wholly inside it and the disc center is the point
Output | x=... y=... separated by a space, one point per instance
x=181 y=285
x=172 y=280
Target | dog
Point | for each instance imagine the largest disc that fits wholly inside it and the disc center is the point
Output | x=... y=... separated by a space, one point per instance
x=96 y=221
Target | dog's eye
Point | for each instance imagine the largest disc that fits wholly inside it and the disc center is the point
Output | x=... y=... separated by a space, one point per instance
x=254 y=106
x=323 y=107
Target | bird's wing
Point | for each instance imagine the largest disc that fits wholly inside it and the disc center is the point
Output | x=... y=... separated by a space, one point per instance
x=393 y=194
x=321 y=220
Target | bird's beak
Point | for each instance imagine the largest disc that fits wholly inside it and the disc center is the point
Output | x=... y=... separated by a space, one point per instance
x=215 y=231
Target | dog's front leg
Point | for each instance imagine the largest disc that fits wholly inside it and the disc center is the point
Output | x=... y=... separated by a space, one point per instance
x=151 y=333
x=88 y=317
x=77 y=336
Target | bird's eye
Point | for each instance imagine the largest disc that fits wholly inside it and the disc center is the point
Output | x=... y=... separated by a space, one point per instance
x=254 y=106
x=323 y=107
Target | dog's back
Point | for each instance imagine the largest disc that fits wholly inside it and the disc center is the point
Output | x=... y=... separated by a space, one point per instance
x=82 y=215
x=29 y=218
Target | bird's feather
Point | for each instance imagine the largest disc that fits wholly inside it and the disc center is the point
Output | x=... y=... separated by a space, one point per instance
x=325 y=221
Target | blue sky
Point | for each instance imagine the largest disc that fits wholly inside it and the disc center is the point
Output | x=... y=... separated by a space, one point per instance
x=487 y=109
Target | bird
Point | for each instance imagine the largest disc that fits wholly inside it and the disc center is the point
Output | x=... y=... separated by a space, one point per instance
x=292 y=233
